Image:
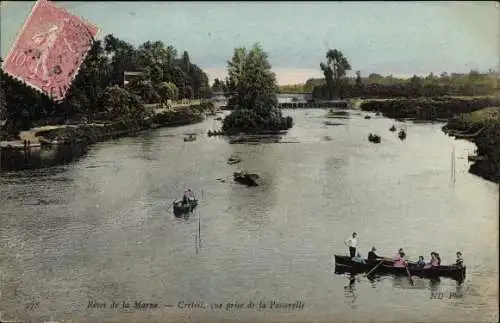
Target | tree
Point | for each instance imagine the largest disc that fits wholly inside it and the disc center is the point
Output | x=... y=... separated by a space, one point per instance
x=218 y=85
x=359 y=83
x=255 y=88
x=335 y=70
x=168 y=91
x=119 y=103
x=189 y=92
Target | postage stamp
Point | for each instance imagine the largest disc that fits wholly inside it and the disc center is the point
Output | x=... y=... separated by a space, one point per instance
x=49 y=49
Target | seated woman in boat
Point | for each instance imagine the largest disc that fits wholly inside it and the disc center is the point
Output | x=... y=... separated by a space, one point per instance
x=190 y=195
x=460 y=261
x=420 y=262
x=399 y=260
x=372 y=255
x=435 y=261
x=359 y=259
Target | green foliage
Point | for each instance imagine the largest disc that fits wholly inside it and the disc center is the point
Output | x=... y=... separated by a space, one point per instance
x=168 y=91
x=118 y=103
x=218 y=85
x=335 y=70
x=89 y=95
x=378 y=86
x=255 y=88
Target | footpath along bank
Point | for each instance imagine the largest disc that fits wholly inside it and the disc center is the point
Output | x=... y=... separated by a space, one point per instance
x=51 y=145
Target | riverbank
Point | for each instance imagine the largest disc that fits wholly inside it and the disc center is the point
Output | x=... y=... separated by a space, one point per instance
x=430 y=109
x=48 y=145
x=481 y=127
x=473 y=118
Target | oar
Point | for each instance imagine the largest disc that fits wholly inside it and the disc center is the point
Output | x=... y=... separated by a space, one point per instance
x=408 y=272
x=381 y=261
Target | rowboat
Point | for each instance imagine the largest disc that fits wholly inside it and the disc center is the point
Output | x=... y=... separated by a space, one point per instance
x=181 y=209
x=245 y=178
x=190 y=138
x=374 y=138
x=346 y=264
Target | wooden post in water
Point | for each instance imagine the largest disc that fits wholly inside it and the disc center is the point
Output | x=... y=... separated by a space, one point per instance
x=453 y=165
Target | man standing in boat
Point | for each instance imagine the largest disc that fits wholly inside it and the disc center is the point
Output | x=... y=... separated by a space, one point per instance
x=352 y=243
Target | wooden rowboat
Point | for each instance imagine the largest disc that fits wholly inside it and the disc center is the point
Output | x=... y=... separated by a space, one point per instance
x=181 y=209
x=345 y=264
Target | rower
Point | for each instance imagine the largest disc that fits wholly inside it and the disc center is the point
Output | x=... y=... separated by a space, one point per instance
x=352 y=243
x=399 y=259
x=185 y=198
x=372 y=255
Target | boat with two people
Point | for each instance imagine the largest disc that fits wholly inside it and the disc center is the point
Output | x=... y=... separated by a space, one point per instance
x=187 y=205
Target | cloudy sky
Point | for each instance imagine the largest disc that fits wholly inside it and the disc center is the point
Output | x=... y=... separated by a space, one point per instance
x=398 y=38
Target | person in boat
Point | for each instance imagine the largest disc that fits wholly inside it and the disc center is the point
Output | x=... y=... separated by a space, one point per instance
x=460 y=261
x=372 y=255
x=185 y=198
x=359 y=259
x=420 y=262
x=435 y=261
x=190 y=195
x=352 y=243
x=399 y=260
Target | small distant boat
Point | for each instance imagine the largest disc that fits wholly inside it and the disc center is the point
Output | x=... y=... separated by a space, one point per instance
x=393 y=128
x=245 y=178
x=181 y=209
x=233 y=160
x=190 y=138
x=367 y=117
x=402 y=134
x=374 y=138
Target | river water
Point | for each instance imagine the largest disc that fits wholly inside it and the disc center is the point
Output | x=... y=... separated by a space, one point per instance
x=98 y=230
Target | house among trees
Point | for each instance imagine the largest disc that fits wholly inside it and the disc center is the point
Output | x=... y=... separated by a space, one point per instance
x=129 y=76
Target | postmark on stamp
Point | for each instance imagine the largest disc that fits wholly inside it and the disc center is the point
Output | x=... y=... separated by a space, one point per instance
x=49 y=49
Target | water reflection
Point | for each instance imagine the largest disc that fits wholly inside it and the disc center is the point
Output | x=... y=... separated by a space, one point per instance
x=404 y=282
x=350 y=291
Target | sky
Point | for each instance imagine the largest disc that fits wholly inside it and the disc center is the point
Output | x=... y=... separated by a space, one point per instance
x=398 y=38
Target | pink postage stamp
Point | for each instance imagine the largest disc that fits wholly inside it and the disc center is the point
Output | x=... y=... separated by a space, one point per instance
x=49 y=49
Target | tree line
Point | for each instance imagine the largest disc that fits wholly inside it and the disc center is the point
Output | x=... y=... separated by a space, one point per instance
x=98 y=91
x=336 y=83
